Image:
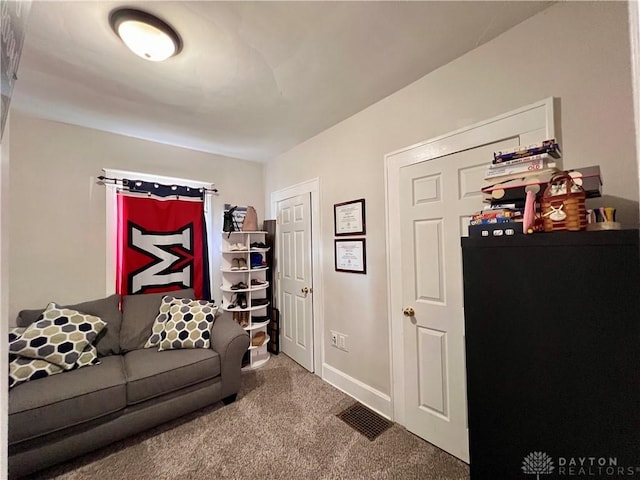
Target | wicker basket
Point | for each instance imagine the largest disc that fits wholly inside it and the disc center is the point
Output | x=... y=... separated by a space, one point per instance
x=563 y=205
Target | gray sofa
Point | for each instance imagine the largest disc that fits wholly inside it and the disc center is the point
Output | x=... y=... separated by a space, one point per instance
x=58 y=417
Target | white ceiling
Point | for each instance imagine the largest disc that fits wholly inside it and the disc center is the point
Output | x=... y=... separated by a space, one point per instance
x=254 y=78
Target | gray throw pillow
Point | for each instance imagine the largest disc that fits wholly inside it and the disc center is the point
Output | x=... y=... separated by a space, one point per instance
x=108 y=309
x=138 y=314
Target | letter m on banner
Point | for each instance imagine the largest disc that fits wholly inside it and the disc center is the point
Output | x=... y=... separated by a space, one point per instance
x=161 y=245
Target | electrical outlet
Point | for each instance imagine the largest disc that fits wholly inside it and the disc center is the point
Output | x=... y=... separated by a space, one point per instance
x=342 y=342
x=334 y=339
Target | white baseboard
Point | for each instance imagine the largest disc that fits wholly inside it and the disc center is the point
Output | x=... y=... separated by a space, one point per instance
x=363 y=393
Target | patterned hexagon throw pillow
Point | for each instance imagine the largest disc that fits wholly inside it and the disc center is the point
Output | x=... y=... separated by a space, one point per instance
x=23 y=369
x=163 y=315
x=59 y=336
x=188 y=326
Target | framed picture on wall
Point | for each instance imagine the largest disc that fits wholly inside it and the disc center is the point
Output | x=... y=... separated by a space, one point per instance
x=349 y=218
x=351 y=255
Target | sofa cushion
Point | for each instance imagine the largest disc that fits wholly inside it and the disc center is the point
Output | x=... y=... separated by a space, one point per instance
x=108 y=309
x=188 y=326
x=59 y=336
x=138 y=314
x=49 y=404
x=151 y=373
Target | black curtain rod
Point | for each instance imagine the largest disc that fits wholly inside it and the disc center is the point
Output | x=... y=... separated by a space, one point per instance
x=146 y=187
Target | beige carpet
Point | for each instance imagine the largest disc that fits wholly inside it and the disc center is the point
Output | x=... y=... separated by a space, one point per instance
x=283 y=426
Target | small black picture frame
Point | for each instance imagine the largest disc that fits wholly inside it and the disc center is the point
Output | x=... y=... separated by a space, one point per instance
x=349 y=218
x=350 y=255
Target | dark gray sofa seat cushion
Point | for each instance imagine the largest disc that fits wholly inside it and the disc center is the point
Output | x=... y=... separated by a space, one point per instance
x=108 y=309
x=49 y=404
x=138 y=315
x=151 y=373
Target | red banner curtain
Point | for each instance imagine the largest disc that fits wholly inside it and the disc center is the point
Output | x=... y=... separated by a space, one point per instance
x=161 y=245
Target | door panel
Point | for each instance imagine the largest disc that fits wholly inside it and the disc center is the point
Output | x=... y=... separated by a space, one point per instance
x=436 y=197
x=429 y=279
x=295 y=278
x=432 y=361
x=301 y=324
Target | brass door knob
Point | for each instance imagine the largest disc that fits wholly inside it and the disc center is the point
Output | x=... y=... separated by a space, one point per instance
x=409 y=312
x=306 y=290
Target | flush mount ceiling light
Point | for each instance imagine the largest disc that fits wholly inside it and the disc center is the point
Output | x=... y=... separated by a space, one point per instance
x=146 y=35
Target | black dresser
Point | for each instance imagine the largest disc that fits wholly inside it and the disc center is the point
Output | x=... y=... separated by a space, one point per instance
x=552 y=325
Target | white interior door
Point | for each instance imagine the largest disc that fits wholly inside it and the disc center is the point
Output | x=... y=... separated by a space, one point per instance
x=295 y=279
x=436 y=201
x=433 y=188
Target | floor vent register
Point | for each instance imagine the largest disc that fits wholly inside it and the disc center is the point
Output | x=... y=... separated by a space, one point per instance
x=364 y=420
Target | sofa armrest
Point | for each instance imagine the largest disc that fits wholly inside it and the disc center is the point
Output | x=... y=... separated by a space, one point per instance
x=231 y=342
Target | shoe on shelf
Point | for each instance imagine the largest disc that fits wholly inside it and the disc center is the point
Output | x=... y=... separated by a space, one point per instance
x=238 y=247
x=244 y=319
x=239 y=286
x=258 y=339
x=241 y=300
x=242 y=264
x=233 y=303
x=256 y=282
x=259 y=302
x=261 y=319
x=258 y=245
x=235 y=263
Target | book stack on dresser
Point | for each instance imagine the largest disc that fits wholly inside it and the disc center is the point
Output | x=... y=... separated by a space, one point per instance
x=507 y=179
x=514 y=172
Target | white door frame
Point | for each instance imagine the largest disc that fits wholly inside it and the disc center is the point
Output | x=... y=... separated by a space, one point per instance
x=311 y=187
x=430 y=149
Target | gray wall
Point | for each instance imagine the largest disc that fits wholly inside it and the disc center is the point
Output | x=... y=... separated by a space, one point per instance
x=57 y=226
x=578 y=52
